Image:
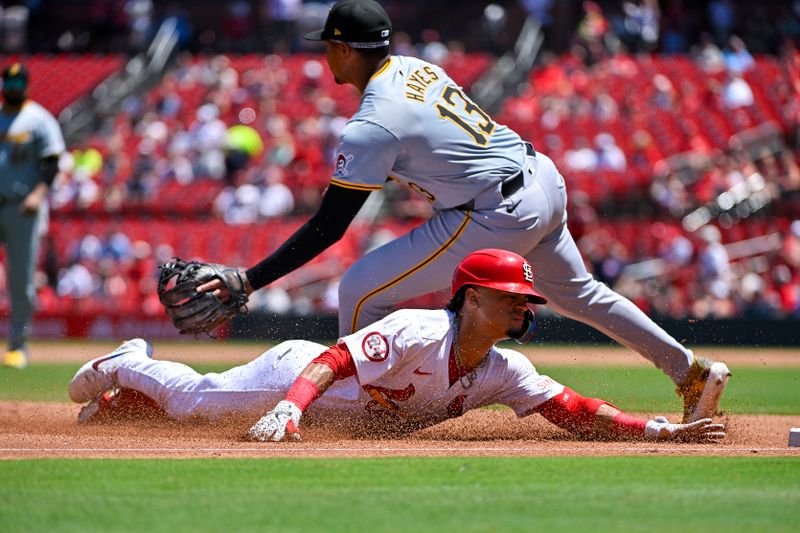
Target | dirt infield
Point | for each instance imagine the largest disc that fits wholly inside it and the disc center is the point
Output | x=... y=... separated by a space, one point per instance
x=49 y=430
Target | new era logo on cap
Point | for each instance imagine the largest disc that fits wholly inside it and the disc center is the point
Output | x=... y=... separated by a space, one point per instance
x=359 y=23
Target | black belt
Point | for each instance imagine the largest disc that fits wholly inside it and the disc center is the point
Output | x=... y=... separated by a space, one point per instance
x=509 y=186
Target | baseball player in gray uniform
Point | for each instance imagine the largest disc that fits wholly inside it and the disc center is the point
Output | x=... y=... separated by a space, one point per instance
x=409 y=370
x=487 y=186
x=30 y=144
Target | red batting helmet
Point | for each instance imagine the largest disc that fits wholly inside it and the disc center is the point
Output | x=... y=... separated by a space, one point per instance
x=497 y=269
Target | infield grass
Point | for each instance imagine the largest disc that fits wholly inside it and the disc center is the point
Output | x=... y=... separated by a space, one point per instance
x=597 y=494
x=753 y=390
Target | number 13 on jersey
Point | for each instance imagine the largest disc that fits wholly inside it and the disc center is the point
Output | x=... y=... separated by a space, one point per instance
x=462 y=111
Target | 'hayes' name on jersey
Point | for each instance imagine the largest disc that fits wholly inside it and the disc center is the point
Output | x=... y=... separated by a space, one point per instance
x=417 y=83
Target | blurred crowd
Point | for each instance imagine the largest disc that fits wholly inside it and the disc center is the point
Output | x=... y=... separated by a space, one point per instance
x=248 y=138
x=207 y=121
x=714 y=272
x=679 y=27
x=711 y=273
x=106 y=274
x=264 y=26
x=699 y=148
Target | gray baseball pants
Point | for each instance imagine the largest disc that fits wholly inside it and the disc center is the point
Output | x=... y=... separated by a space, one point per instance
x=22 y=235
x=531 y=222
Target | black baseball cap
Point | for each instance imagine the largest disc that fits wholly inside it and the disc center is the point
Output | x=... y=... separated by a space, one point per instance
x=15 y=75
x=359 y=23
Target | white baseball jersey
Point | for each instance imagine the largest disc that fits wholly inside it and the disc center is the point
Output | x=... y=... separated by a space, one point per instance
x=403 y=357
x=418 y=127
x=25 y=139
x=406 y=358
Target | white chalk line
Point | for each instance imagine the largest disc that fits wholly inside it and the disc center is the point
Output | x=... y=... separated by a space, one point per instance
x=459 y=451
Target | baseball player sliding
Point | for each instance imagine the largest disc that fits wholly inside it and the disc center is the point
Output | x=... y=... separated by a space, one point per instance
x=487 y=187
x=410 y=370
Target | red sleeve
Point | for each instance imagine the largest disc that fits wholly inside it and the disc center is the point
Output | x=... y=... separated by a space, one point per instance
x=304 y=391
x=575 y=413
x=338 y=359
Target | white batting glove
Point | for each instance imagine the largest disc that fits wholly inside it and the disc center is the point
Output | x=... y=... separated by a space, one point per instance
x=281 y=423
x=702 y=430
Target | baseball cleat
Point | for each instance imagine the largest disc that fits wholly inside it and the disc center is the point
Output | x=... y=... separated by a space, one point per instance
x=703 y=388
x=99 y=407
x=117 y=404
x=97 y=375
x=15 y=358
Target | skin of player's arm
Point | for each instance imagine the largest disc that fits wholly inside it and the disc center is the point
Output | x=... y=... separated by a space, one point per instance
x=284 y=420
x=590 y=416
x=332 y=364
x=596 y=418
x=604 y=424
x=319 y=374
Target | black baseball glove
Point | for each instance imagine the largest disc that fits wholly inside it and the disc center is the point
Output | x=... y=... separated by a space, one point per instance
x=199 y=312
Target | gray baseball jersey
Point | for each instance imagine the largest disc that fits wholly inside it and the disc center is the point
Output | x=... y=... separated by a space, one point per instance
x=417 y=126
x=403 y=357
x=488 y=190
x=26 y=138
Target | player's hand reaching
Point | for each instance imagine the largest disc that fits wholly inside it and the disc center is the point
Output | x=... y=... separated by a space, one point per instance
x=220 y=289
x=192 y=310
x=280 y=424
x=700 y=431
